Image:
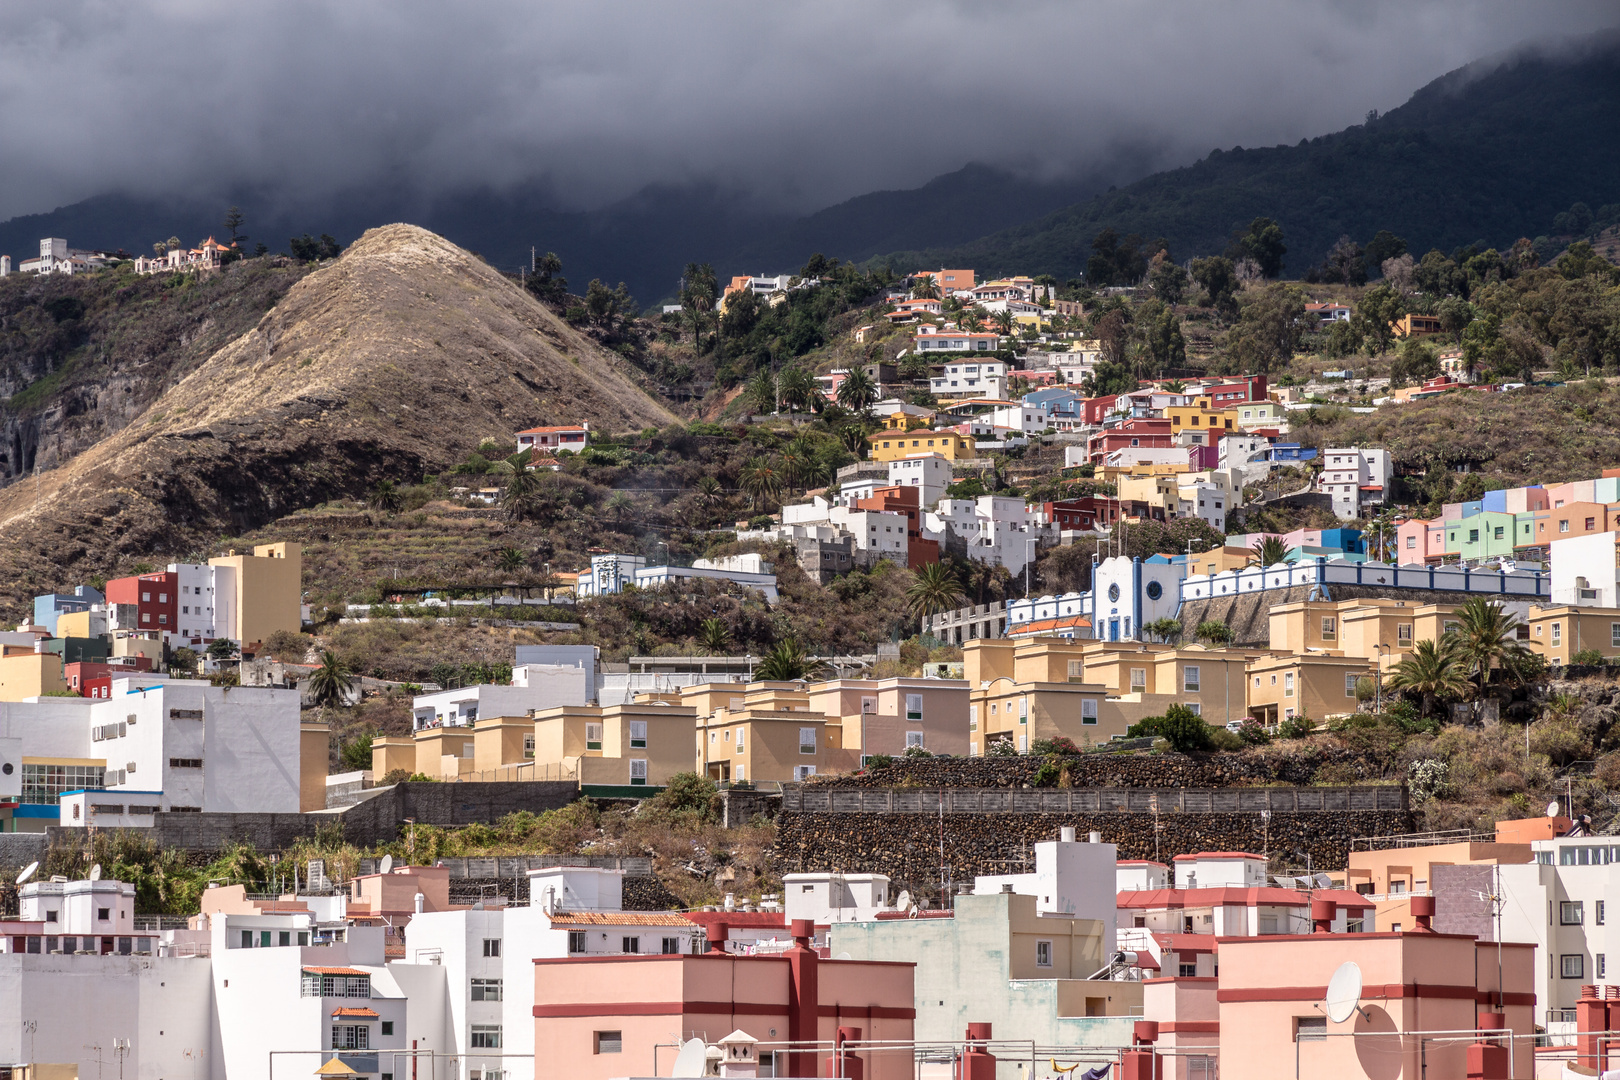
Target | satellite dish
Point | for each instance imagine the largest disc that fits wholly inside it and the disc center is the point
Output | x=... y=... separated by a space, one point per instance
x=1344 y=992
x=843 y=956
x=95 y=872
x=903 y=901
x=1287 y=882
x=1323 y=881
x=27 y=872
x=1552 y=808
x=387 y=864
x=693 y=1060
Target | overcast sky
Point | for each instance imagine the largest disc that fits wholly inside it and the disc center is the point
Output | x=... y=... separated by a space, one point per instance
x=803 y=104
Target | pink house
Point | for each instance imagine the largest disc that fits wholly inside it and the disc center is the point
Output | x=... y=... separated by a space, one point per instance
x=1419 y=541
x=603 y=1017
x=885 y=716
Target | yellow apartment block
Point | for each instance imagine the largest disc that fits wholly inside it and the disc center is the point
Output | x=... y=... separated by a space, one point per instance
x=265 y=593
x=1560 y=632
x=30 y=674
x=1161 y=491
x=313 y=742
x=1220 y=560
x=894 y=445
x=887 y=716
x=1286 y=685
x=771 y=736
x=1379 y=630
x=1199 y=417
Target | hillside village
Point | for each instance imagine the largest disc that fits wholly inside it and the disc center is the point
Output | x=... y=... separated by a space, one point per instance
x=1170 y=676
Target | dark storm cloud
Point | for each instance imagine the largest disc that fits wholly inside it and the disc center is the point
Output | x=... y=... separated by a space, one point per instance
x=801 y=104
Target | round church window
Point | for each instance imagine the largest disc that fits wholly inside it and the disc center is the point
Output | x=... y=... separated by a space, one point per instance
x=1113 y=592
x=1154 y=590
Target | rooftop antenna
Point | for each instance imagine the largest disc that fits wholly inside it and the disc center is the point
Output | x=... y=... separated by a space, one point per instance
x=27 y=872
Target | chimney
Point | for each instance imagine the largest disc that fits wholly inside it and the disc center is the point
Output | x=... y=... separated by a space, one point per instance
x=1139 y=1062
x=718 y=932
x=976 y=1063
x=1423 y=914
x=1094 y=837
x=804 y=999
x=1488 y=1060
x=1322 y=916
x=1067 y=834
x=850 y=1067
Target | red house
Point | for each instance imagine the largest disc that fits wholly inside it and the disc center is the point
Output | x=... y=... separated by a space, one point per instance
x=1236 y=391
x=154 y=597
x=1089 y=512
x=1149 y=432
x=1093 y=411
x=94 y=680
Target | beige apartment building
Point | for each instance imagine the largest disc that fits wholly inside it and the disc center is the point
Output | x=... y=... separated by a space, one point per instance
x=30 y=674
x=1560 y=632
x=1286 y=685
x=771 y=736
x=889 y=716
x=1379 y=630
x=264 y=592
x=1392 y=876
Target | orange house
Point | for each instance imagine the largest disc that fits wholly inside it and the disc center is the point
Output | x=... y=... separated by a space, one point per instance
x=907 y=501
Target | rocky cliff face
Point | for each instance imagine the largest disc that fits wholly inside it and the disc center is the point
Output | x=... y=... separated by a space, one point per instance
x=398 y=358
x=82 y=356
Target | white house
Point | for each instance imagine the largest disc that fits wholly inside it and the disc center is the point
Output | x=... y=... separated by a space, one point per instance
x=1205 y=501
x=929 y=473
x=970 y=378
x=1357 y=480
x=534 y=687
x=1560 y=902
x=994 y=529
x=1585 y=570
x=548 y=440
x=1070 y=878
x=824 y=897
x=1026 y=419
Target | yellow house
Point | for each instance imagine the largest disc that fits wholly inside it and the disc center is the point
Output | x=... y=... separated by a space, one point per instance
x=617 y=750
x=1199 y=417
x=30 y=674
x=1379 y=630
x=1559 y=632
x=392 y=752
x=503 y=748
x=1161 y=491
x=894 y=445
x=81 y=624
x=1220 y=560
x=314 y=739
x=264 y=593
x=132 y=645
x=771 y=736
x=1288 y=685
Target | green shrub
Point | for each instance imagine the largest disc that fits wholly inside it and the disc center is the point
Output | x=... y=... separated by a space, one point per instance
x=1062 y=746
x=1587 y=657
x=1001 y=748
x=1182 y=728
x=879 y=761
x=1295 y=727
x=1226 y=740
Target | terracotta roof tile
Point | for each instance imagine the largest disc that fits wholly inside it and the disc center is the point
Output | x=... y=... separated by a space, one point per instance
x=335 y=971
x=620 y=918
x=370 y=1014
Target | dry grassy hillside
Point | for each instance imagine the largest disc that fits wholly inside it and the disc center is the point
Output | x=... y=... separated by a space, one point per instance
x=399 y=358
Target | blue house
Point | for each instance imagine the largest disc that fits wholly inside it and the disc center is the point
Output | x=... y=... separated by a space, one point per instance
x=1290 y=452
x=49 y=606
x=1060 y=402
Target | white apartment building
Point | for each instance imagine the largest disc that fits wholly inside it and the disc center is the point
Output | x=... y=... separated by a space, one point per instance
x=1237 y=450
x=1356 y=479
x=178 y=744
x=1205 y=501
x=995 y=529
x=1586 y=570
x=929 y=473
x=877 y=534
x=55 y=257
x=824 y=897
x=1560 y=902
x=932 y=339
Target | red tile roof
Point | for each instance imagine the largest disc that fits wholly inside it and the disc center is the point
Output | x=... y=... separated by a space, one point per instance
x=619 y=918
x=335 y=971
x=1041 y=626
x=549 y=430
x=1230 y=894
x=370 y=1014
x=1220 y=855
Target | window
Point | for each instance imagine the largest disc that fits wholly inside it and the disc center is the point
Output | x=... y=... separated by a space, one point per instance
x=638 y=734
x=1572 y=966
x=1288 y=684
x=807 y=740
x=1189 y=679
x=593 y=736
x=803 y=772
x=1563 y=526
x=485 y=1037
x=1591 y=523
x=609 y=1042
x=914 y=738
x=185 y=763
x=1473 y=536
x=1411 y=541
x=672 y=946
x=1138 y=680
x=492 y=946
x=1088 y=710
x=1310 y=1028
x=576 y=942
x=1350 y=680
x=1557 y=633
x=1023 y=710
x=387 y=1029
x=486 y=989
x=973 y=718
x=351 y=1037
x=638 y=771
x=50 y=916
x=314 y=984
x=740 y=733
x=630 y=944
x=1187 y=971
x=1403 y=633
x=1570 y=913
x=1195 y=707
x=1043 y=954
x=1600 y=965
x=42 y=785
x=1330 y=627
x=914 y=707
x=1597 y=912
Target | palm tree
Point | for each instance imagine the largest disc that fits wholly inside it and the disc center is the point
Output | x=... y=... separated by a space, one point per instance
x=762 y=479
x=762 y=391
x=934 y=589
x=709 y=490
x=1175 y=386
x=797 y=386
x=1003 y=321
x=787 y=662
x=1214 y=633
x=857 y=392
x=511 y=559
x=1269 y=552
x=513 y=464
x=332 y=680
x=971 y=321
x=853 y=438
x=1486 y=636
x=385 y=497
x=927 y=290
x=1430 y=671
x=913 y=367
x=521 y=496
x=1165 y=629
x=619 y=504
x=715 y=637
